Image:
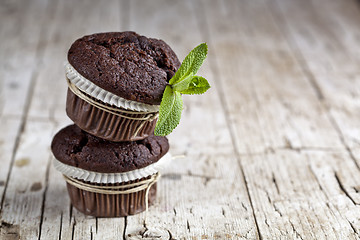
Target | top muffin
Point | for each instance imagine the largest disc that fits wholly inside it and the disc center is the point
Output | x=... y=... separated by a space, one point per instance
x=126 y=64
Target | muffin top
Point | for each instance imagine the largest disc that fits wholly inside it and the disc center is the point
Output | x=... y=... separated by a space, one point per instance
x=74 y=147
x=126 y=64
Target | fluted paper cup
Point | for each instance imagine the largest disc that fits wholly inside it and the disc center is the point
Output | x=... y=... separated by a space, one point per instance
x=112 y=203
x=109 y=125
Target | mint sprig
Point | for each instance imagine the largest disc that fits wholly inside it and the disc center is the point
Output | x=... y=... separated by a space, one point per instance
x=183 y=82
x=191 y=63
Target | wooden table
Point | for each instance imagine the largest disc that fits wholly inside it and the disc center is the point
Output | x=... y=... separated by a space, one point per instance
x=272 y=151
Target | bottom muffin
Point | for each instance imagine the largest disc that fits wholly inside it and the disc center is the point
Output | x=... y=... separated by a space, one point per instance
x=115 y=204
x=108 y=179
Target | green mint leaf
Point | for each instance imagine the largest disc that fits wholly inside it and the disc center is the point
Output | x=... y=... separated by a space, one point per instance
x=184 y=84
x=191 y=63
x=169 y=112
x=197 y=85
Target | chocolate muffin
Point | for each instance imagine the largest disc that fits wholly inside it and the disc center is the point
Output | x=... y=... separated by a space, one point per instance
x=108 y=179
x=116 y=81
x=126 y=64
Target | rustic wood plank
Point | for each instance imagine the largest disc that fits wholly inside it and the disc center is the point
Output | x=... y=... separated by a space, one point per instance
x=324 y=35
x=18 y=29
x=328 y=53
x=21 y=37
x=85 y=17
x=57 y=212
x=57 y=221
x=282 y=109
x=24 y=195
x=271 y=101
x=313 y=208
x=189 y=202
x=340 y=182
x=9 y=127
x=190 y=205
x=271 y=151
x=21 y=28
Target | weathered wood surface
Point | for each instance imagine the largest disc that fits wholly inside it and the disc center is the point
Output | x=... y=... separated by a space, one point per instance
x=272 y=151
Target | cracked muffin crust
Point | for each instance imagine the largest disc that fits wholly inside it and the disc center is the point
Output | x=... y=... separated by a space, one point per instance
x=126 y=64
x=77 y=148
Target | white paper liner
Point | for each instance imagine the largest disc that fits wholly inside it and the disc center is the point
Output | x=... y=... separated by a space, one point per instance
x=97 y=177
x=105 y=96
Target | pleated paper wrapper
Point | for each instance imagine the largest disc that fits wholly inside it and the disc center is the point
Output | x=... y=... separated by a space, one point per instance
x=108 y=124
x=111 y=205
x=96 y=177
x=105 y=96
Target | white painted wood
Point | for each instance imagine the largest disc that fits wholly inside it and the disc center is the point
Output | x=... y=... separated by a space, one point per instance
x=9 y=127
x=339 y=179
x=20 y=33
x=330 y=56
x=189 y=203
x=324 y=38
x=270 y=101
x=313 y=208
x=271 y=151
x=27 y=182
x=84 y=17
x=276 y=87
x=57 y=222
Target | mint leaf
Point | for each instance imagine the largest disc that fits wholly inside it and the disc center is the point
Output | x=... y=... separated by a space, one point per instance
x=192 y=85
x=184 y=84
x=169 y=112
x=191 y=63
x=197 y=85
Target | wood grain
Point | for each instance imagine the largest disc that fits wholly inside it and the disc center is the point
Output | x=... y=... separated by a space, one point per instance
x=272 y=151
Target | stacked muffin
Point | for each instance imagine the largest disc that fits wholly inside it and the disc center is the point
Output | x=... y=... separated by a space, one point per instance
x=110 y=157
